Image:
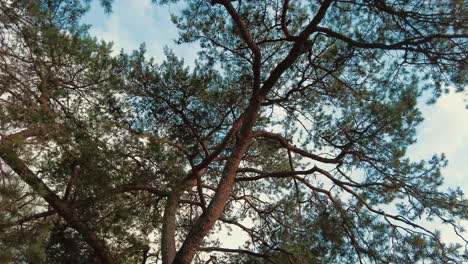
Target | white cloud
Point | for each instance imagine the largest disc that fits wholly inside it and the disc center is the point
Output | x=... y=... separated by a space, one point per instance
x=130 y=25
x=445 y=130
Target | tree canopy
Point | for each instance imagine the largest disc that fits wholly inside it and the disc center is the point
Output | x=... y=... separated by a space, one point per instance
x=292 y=127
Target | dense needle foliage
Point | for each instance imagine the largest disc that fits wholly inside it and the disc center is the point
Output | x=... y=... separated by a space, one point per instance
x=291 y=128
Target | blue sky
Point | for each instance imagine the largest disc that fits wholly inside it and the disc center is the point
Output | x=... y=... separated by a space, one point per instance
x=445 y=129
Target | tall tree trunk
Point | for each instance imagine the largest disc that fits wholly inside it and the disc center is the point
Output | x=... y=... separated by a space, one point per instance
x=209 y=217
x=168 y=247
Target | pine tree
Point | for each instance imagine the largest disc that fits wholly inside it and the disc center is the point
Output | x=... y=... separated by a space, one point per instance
x=292 y=127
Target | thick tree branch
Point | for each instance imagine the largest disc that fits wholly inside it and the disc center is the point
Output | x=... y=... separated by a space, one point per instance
x=300 y=46
x=407 y=44
x=31 y=132
x=214 y=154
x=276 y=174
x=231 y=250
x=248 y=39
x=29 y=218
x=284 y=142
x=284 y=22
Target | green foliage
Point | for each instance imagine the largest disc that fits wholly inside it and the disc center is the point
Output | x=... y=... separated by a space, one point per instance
x=112 y=137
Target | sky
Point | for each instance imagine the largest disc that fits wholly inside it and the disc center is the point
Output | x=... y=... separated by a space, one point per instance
x=133 y=22
x=444 y=130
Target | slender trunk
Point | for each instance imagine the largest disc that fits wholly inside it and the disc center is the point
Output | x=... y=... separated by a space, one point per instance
x=62 y=208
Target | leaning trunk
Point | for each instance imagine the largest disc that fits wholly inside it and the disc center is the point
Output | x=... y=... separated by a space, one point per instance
x=209 y=217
